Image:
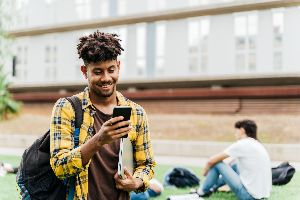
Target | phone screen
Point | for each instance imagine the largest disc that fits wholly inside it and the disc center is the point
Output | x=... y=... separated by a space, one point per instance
x=124 y=111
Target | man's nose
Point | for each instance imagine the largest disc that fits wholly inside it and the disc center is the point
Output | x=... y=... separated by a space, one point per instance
x=105 y=77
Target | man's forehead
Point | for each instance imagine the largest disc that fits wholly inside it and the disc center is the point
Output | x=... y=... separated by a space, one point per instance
x=103 y=64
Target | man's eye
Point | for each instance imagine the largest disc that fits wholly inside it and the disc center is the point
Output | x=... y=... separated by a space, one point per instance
x=111 y=71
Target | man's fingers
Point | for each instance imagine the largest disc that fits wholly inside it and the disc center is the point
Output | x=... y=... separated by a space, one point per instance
x=126 y=172
x=118 y=179
x=116 y=176
x=121 y=131
x=113 y=120
x=120 y=124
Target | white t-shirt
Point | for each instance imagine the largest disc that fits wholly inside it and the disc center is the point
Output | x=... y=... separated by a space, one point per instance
x=254 y=166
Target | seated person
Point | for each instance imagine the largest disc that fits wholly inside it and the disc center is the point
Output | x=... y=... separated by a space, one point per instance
x=7 y=168
x=251 y=177
x=154 y=190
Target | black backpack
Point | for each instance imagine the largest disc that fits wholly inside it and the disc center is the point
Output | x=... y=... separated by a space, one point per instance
x=181 y=177
x=282 y=174
x=35 y=172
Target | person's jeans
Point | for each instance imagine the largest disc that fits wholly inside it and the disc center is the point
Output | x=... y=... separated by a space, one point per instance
x=221 y=181
x=143 y=195
x=229 y=176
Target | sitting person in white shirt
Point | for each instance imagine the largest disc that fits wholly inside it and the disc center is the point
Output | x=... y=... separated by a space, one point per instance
x=251 y=177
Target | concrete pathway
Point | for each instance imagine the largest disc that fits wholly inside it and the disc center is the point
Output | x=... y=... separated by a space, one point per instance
x=180 y=148
x=200 y=161
x=161 y=160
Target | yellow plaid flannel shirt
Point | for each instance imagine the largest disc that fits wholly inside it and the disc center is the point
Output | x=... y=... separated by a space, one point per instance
x=66 y=161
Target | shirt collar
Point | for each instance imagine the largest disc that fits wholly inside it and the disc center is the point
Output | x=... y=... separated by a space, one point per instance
x=122 y=101
x=86 y=101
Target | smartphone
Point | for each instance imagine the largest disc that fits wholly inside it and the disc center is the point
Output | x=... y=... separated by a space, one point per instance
x=124 y=111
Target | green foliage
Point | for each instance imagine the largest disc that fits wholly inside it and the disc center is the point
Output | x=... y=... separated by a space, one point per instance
x=7 y=104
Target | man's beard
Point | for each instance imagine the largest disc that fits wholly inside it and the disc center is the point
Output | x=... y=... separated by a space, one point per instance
x=103 y=93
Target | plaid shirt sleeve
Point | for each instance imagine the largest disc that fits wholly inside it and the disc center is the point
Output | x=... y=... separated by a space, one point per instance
x=65 y=161
x=143 y=151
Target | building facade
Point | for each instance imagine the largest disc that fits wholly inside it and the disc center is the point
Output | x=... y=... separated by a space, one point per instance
x=252 y=42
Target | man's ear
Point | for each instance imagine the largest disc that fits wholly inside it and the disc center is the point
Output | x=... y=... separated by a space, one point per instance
x=83 y=69
x=118 y=63
x=243 y=131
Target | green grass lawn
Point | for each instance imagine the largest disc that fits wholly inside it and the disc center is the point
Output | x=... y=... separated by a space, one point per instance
x=290 y=191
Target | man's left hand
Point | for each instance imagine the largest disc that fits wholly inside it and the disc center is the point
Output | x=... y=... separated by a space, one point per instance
x=129 y=183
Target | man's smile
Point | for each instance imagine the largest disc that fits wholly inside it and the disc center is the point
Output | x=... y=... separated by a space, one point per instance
x=105 y=86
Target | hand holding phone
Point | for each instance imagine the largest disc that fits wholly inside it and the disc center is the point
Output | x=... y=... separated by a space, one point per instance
x=124 y=111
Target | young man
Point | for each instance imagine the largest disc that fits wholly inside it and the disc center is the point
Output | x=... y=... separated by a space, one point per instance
x=95 y=161
x=251 y=178
x=7 y=168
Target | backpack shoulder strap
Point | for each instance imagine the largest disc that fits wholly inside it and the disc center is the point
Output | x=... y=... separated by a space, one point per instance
x=77 y=106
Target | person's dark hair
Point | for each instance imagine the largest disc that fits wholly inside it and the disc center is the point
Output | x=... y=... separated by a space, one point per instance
x=98 y=47
x=249 y=126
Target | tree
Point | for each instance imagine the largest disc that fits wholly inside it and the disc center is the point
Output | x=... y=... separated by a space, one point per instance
x=7 y=104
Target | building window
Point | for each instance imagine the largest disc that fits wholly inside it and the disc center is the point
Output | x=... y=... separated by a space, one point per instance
x=160 y=46
x=278 y=60
x=204 y=32
x=14 y=64
x=122 y=32
x=198 y=31
x=19 y=55
x=54 y=55
x=50 y=62
x=121 y=7
x=193 y=37
x=141 y=49
x=25 y=55
x=240 y=62
x=240 y=32
x=278 y=28
x=20 y=63
x=47 y=54
x=104 y=8
x=252 y=61
x=245 y=41
x=50 y=54
x=83 y=9
x=252 y=30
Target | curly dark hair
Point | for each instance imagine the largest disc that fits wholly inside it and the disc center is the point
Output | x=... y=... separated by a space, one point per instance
x=98 y=47
x=249 y=126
